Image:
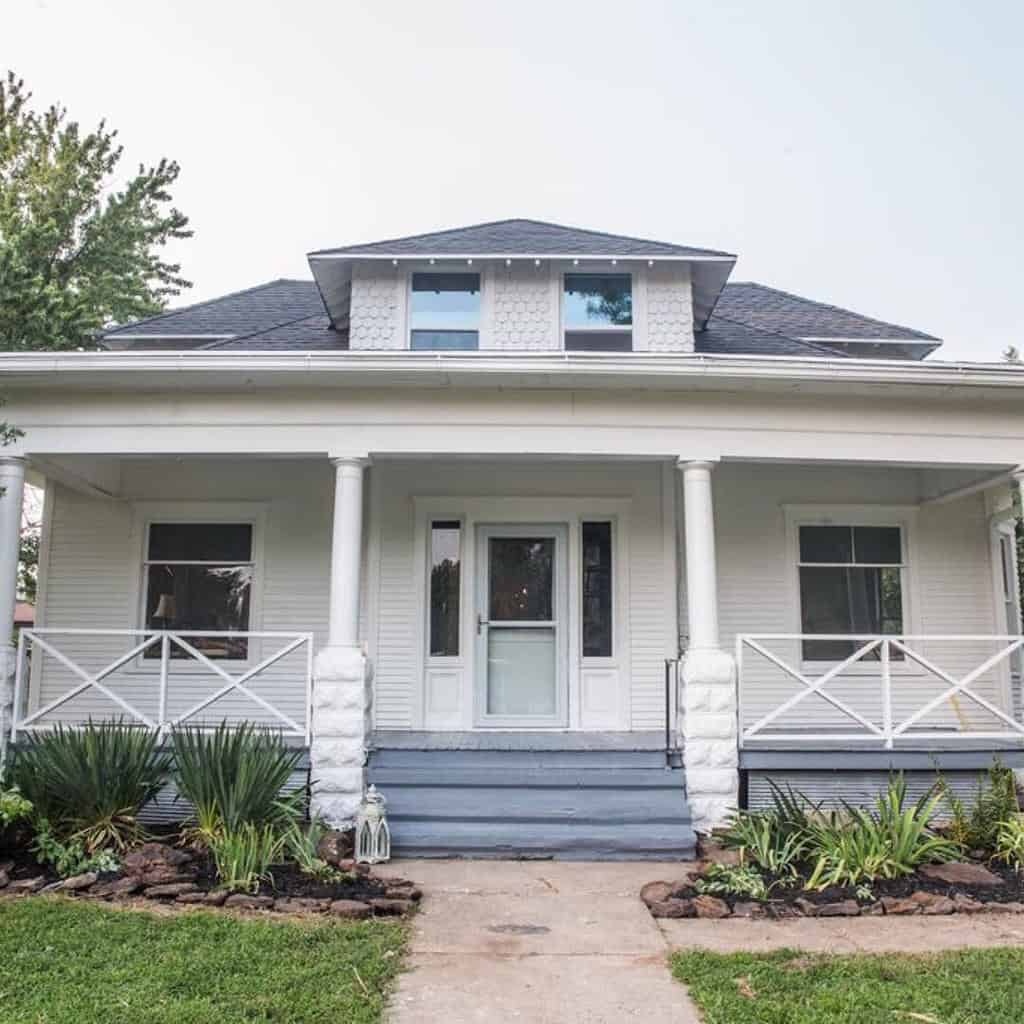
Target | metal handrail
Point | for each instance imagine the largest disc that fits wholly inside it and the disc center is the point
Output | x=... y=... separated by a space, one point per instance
x=43 y=639
x=889 y=730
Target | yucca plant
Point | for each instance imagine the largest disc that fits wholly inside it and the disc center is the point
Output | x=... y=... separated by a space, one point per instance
x=234 y=776
x=90 y=783
x=302 y=844
x=1010 y=843
x=244 y=855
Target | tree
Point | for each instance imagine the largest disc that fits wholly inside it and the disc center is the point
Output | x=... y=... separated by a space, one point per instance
x=77 y=252
x=28 y=549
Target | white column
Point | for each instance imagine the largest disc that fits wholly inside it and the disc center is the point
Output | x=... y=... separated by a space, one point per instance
x=341 y=673
x=12 y=495
x=708 y=701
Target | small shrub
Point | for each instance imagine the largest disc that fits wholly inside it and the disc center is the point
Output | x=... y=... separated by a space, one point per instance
x=996 y=803
x=1009 y=845
x=720 y=879
x=89 y=783
x=302 y=845
x=70 y=858
x=234 y=776
x=13 y=807
x=243 y=856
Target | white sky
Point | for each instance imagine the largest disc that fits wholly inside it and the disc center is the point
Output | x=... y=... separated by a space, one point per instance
x=867 y=154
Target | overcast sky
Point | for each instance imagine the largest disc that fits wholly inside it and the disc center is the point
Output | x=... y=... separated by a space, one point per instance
x=863 y=153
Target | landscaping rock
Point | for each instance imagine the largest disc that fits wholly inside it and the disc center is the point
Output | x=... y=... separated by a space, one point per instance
x=712 y=851
x=336 y=848
x=872 y=910
x=352 y=909
x=301 y=905
x=27 y=884
x=961 y=873
x=673 y=908
x=844 y=908
x=933 y=904
x=747 y=908
x=215 y=897
x=116 y=887
x=6 y=866
x=3 y=879
x=173 y=889
x=782 y=912
x=966 y=905
x=895 y=905
x=656 y=892
x=710 y=907
x=1004 y=908
x=406 y=891
x=159 y=864
x=191 y=897
x=79 y=882
x=806 y=907
x=240 y=901
x=383 y=907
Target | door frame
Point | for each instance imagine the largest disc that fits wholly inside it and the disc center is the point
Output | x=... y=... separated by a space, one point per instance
x=559 y=532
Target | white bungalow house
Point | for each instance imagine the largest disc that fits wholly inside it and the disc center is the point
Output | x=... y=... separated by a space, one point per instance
x=561 y=538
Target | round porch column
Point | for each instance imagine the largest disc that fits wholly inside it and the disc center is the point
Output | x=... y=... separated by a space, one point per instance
x=341 y=700
x=708 y=702
x=12 y=495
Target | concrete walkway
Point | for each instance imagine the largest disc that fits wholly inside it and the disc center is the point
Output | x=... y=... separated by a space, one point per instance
x=538 y=942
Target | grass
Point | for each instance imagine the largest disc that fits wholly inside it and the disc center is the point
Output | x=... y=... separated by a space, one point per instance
x=976 y=986
x=64 y=962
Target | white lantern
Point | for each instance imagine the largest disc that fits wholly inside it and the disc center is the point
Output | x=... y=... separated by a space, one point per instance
x=373 y=837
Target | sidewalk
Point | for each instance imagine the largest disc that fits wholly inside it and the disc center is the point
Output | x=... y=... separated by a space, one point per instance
x=550 y=942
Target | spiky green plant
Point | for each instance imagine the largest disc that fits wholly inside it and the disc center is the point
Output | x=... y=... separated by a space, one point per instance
x=302 y=845
x=744 y=880
x=234 y=776
x=1010 y=843
x=244 y=855
x=89 y=783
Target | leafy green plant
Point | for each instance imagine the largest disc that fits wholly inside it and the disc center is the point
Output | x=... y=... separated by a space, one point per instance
x=243 y=856
x=70 y=858
x=234 y=776
x=721 y=879
x=996 y=802
x=89 y=783
x=302 y=845
x=13 y=806
x=768 y=846
x=1010 y=843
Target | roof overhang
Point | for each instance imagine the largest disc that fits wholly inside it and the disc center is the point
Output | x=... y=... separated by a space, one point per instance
x=212 y=370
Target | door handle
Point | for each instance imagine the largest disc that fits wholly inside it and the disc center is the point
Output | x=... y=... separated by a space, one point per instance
x=480 y=623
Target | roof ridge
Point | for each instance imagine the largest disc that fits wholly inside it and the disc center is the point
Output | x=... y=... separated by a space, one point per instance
x=523 y=220
x=823 y=349
x=205 y=302
x=830 y=305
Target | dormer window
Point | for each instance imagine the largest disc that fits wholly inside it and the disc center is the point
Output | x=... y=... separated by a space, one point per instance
x=597 y=313
x=444 y=312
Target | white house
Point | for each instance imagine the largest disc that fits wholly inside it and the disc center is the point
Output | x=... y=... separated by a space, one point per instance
x=564 y=539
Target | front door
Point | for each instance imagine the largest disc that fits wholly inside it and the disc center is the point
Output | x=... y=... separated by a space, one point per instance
x=521 y=613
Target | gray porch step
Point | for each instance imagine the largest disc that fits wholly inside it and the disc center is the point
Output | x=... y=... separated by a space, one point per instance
x=570 y=804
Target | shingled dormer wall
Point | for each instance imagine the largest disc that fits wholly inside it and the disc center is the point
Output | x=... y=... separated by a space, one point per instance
x=521 y=305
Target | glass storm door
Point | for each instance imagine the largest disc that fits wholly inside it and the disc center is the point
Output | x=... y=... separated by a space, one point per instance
x=521 y=610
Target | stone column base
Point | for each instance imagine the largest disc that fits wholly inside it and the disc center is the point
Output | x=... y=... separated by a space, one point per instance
x=708 y=727
x=338 y=750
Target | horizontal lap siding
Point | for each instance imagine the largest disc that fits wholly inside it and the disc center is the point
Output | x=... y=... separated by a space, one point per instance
x=93 y=572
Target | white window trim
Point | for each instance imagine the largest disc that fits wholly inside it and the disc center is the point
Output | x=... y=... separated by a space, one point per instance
x=145 y=513
x=482 y=271
x=903 y=516
x=638 y=290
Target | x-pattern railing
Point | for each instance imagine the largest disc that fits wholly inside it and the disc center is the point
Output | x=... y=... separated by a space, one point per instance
x=44 y=641
x=888 y=731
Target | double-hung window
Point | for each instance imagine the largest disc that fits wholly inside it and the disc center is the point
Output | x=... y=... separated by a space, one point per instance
x=852 y=580
x=597 y=312
x=444 y=312
x=199 y=576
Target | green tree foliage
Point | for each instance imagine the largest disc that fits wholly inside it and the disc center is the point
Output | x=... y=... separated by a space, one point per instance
x=80 y=246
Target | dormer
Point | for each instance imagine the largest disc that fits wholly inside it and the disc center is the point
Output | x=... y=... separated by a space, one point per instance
x=520 y=285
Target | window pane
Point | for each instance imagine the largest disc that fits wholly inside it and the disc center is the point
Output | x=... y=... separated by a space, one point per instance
x=599 y=341
x=444 y=341
x=826 y=544
x=184 y=597
x=445 y=576
x=521 y=579
x=848 y=600
x=598 y=300
x=445 y=302
x=200 y=542
x=597 y=590
x=873 y=544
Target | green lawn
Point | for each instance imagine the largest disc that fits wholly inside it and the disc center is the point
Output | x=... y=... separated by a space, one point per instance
x=73 y=962
x=978 y=986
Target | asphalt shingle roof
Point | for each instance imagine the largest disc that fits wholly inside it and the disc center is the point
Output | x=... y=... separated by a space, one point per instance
x=517 y=238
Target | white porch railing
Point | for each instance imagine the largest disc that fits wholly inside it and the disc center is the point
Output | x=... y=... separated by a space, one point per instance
x=901 y=709
x=155 y=677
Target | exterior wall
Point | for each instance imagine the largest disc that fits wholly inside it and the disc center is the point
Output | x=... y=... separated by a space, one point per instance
x=520 y=307
x=950 y=588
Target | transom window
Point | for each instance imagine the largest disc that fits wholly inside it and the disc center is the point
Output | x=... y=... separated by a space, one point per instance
x=445 y=312
x=851 y=581
x=597 y=312
x=198 y=576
